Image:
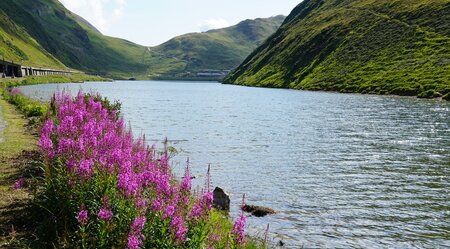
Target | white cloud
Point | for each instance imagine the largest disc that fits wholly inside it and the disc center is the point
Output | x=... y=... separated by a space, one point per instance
x=213 y=24
x=100 y=13
x=120 y=6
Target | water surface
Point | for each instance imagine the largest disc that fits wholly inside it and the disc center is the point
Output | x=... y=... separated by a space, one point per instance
x=342 y=170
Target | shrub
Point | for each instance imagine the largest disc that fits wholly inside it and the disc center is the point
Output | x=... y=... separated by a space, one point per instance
x=429 y=94
x=405 y=91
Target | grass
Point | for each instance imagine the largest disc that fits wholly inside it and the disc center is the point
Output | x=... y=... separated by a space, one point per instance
x=16 y=136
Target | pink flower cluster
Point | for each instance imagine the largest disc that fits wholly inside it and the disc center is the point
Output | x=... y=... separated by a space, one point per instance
x=82 y=216
x=15 y=91
x=19 y=183
x=239 y=224
x=96 y=148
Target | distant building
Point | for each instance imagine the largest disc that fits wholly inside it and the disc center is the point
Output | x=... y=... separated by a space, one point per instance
x=213 y=73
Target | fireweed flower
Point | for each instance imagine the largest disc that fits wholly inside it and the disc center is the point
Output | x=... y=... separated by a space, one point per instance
x=15 y=91
x=45 y=142
x=135 y=236
x=186 y=184
x=239 y=225
x=105 y=214
x=179 y=229
x=85 y=168
x=168 y=211
x=18 y=184
x=156 y=206
x=82 y=216
x=238 y=228
x=138 y=224
x=202 y=207
x=134 y=242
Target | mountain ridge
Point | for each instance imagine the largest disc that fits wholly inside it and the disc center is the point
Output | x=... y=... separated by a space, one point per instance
x=366 y=46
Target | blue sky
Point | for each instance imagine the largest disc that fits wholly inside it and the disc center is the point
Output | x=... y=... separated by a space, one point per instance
x=152 y=22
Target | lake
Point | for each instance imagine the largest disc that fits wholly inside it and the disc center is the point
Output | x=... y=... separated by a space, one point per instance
x=341 y=170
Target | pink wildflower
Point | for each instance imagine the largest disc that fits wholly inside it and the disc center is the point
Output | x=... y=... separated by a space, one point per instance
x=105 y=214
x=134 y=242
x=16 y=91
x=203 y=206
x=179 y=229
x=239 y=225
x=135 y=237
x=169 y=211
x=238 y=228
x=18 y=184
x=82 y=216
x=156 y=206
x=187 y=182
x=85 y=168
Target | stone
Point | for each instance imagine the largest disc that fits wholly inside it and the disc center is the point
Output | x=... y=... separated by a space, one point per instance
x=258 y=211
x=221 y=200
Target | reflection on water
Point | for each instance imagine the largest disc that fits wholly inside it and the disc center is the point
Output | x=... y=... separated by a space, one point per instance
x=342 y=170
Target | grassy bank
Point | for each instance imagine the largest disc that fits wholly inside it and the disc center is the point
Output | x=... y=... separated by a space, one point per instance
x=34 y=80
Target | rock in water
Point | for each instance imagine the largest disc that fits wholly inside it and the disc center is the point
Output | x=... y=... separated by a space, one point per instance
x=257 y=210
x=221 y=199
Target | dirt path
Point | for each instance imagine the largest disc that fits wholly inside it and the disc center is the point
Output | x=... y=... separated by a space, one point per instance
x=18 y=161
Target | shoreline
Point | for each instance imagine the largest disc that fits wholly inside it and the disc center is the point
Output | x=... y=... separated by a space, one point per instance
x=339 y=92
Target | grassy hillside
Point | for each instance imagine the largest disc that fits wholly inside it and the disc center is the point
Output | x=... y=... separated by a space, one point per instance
x=221 y=49
x=369 y=46
x=18 y=46
x=72 y=40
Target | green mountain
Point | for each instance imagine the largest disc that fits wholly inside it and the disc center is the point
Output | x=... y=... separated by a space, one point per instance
x=72 y=40
x=17 y=46
x=369 y=46
x=55 y=32
x=220 y=49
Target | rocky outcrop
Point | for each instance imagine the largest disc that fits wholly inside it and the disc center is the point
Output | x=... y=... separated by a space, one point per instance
x=221 y=199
